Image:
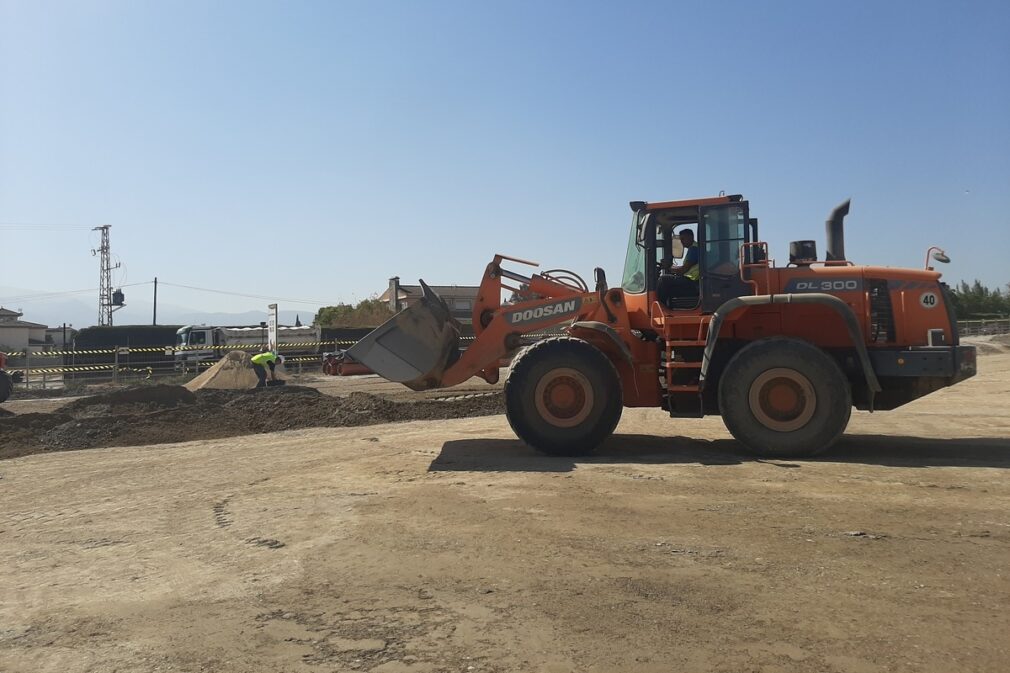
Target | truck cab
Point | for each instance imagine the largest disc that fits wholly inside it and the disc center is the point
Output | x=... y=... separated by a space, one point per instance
x=192 y=344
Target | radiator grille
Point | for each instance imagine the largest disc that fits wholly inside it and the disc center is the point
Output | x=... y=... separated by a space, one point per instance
x=881 y=312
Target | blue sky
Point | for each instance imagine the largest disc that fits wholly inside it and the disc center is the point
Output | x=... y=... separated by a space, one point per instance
x=311 y=150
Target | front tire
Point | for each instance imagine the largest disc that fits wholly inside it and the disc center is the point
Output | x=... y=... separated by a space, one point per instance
x=784 y=397
x=563 y=396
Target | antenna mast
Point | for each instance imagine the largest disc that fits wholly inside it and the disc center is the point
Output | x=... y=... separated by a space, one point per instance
x=105 y=299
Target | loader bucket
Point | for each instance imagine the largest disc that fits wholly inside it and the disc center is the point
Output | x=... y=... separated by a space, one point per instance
x=415 y=346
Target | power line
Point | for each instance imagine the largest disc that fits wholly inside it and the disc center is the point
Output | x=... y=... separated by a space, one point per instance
x=63 y=293
x=49 y=295
x=33 y=226
x=250 y=296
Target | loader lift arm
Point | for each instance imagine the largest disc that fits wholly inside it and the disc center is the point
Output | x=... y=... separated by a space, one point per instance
x=408 y=341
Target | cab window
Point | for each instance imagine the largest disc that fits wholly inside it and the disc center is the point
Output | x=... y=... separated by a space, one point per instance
x=634 y=262
x=725 y=232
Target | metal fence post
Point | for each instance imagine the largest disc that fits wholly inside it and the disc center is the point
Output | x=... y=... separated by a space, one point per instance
x=115 y=366
x=28 y=367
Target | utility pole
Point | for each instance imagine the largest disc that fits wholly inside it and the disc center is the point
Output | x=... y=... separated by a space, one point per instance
x=105 y=305
x=155 y=322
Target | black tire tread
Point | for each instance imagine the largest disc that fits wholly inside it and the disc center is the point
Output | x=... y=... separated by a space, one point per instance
x=830 y=383
x=516 y=382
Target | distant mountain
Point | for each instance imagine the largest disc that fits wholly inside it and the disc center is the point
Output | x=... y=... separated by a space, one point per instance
x=84 y=312
x=247 y=318
x=53 y=312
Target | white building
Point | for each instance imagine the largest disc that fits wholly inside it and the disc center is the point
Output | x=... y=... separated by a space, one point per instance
x=19 y=335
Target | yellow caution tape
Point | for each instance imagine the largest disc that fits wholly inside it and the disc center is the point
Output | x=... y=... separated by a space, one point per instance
x=62 y=370
x=180 y=349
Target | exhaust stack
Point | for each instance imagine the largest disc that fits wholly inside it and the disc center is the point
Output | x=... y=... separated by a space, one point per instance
x=835 y=227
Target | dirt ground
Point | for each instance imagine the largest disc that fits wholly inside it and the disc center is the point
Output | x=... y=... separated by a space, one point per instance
x=449 y=546
x=161 y=414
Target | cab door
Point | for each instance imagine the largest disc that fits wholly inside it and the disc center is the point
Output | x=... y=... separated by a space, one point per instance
x=721 y=232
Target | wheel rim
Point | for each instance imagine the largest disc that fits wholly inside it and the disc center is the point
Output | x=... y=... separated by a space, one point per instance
x=564 y=397
x=782 y=399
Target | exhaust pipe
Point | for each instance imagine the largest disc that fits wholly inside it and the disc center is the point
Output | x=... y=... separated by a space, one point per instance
x=835 y=227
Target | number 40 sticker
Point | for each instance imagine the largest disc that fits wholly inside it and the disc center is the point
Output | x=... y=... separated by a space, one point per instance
x=928 y=300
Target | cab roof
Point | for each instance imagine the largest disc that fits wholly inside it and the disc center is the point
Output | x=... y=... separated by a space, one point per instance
x=688 y=203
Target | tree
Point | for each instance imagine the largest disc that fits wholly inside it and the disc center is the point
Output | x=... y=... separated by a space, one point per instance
x=977 y=300
x=367 y=313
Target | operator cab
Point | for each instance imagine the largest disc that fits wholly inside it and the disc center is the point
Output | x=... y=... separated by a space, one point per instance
x=720 y=226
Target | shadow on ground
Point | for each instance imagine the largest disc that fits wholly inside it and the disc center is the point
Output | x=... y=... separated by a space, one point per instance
x=512 y=455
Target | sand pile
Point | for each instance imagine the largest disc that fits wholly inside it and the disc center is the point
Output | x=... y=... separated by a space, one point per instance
x=232 y=372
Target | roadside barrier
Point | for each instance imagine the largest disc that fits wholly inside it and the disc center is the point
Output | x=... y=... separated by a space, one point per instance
x=43 y=369
x=171 y=350
x=983 y=327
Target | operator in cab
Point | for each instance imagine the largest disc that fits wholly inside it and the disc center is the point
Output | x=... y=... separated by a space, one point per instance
x=682 y=281
x=261 y=361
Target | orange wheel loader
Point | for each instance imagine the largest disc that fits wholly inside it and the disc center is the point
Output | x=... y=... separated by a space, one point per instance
x=782 y=353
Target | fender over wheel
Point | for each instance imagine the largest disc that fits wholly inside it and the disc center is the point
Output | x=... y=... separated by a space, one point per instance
x=784 y=397
x=563 y=396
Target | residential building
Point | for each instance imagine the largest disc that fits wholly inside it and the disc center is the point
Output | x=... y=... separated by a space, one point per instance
x=19 y=335
x=459 y=298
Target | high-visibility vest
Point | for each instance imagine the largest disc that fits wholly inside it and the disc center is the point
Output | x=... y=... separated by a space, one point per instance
x=694 y=273
x=263 y=358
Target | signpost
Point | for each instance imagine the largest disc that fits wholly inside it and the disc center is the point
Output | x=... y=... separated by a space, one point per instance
x=272 y=327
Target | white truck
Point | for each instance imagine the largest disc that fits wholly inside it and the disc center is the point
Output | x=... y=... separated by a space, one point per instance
x=194 y=343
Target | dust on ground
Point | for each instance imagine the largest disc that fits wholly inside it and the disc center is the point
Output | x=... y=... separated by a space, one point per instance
x=163 y=414
x=424 y=547
x=990 y=344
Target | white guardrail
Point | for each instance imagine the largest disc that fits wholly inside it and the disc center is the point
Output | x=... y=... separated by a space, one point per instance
x=983 y=327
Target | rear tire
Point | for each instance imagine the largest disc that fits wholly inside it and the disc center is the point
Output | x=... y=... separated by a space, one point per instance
x=6 y=386
x=784 y=397
x=563 y=396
